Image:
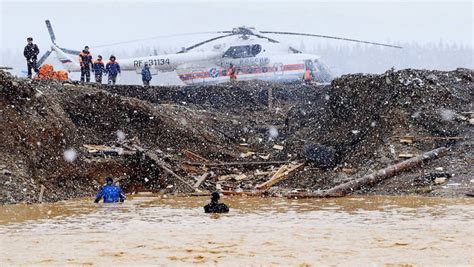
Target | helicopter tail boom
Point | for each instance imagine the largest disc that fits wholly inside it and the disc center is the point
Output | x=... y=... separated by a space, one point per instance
x=68 y=63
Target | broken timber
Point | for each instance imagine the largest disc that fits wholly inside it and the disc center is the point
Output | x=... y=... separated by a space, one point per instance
x=163 y=166
x=375 y=177
x=201 y=179
x=235 y=163
x=193 y=156
x=410 y=139
x=282 y=173
x=40 y=197
x=243 y=193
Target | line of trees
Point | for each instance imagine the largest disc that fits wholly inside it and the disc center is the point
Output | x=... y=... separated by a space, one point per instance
x=375 y=59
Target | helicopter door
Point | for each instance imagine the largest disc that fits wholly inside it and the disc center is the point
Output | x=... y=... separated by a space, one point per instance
x=308 y=65
x=278 y=69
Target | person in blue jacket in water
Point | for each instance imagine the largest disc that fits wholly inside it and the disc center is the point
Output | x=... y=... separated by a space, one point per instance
x=110 y=192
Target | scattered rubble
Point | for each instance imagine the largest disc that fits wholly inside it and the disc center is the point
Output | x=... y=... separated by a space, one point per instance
x=59 y=140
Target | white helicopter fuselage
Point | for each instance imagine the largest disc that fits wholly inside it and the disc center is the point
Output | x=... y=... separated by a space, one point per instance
x=252 y=61
x=253 y=55
x=278 y=68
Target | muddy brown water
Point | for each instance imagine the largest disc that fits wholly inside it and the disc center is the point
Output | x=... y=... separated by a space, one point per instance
x=152 y=230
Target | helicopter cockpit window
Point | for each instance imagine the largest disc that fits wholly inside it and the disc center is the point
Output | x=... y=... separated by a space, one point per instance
x=256 y=49
x=239 y=51
x=321 y=72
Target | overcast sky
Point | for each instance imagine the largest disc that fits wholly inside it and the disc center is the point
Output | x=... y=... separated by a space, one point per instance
x=77 y=23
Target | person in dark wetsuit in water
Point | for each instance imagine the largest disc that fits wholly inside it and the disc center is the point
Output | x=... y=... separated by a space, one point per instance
x=215 y=206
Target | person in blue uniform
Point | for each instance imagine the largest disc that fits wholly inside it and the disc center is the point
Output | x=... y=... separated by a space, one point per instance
x=98 y=69
x=112 y=69
x=215 y=206
x=146 y=75
x=110 y=192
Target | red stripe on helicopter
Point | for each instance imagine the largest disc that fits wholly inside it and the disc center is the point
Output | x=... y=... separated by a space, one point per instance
x=243 y=71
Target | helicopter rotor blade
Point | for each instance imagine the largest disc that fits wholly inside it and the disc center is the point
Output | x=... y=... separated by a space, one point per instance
x=152 y=38
x=295 y=51
x=43 y=58
x=70 y=51
x=331 y=37
x=203 y=42
x=264 y=37
x=51 y=32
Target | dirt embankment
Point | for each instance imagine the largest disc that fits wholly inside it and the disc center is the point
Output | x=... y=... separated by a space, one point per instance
x=357 y=121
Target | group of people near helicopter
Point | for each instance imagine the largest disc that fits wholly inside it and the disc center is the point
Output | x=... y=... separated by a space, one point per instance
x=112 y=68
x=87 y=64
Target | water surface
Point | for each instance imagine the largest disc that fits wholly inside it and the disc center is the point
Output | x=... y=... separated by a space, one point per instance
x=352 y=231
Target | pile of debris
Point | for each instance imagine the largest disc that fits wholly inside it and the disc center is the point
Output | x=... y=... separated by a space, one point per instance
x=61 y=139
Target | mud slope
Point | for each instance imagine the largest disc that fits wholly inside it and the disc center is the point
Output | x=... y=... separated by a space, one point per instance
x=359 y=119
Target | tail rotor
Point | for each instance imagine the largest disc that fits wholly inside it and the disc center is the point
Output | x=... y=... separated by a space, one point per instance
x=53 y=41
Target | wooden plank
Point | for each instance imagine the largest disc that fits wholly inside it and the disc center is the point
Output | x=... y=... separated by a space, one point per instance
x=247 y=154
x=406 y=140
x=429 y=138
x=243 y=193
x=406 y=155
x=235 y=163
x=193 y=156
x=278 y=147
x=97 y=148
x=107 y=150
x=237 y=177
x=40 y=197
x=201 y=179
x=282 y=173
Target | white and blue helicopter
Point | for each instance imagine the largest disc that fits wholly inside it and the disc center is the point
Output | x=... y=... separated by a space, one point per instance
x=255 y=57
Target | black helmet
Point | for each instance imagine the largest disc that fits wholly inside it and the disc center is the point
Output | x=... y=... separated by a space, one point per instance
x=109 y=180
x=29 y=39
x=215 y=196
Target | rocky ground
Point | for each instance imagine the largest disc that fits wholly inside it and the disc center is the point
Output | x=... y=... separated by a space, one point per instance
x=227 y=133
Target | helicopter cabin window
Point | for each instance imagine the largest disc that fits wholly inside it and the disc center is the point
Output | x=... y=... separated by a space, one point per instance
x=256 y=49
x=243 y=51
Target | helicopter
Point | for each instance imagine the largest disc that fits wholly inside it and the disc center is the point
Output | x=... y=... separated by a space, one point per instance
x=253 y=55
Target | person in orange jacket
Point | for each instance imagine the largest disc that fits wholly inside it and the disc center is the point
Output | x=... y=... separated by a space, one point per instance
x=307 y=77
x=85 y=60
x=232 y=73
